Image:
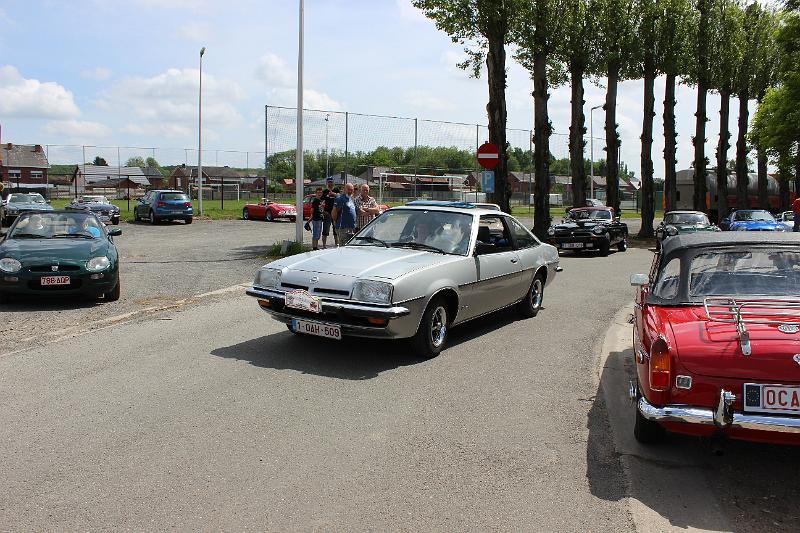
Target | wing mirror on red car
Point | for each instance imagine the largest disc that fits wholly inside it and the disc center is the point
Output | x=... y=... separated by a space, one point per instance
x=639 y=280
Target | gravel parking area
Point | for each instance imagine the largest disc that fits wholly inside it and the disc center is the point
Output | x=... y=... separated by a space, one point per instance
x=161 y=266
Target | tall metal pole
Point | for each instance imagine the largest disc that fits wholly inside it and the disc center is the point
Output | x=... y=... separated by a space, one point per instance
x=200 y=140
x=416 y=159
x=83 y=147
x=477 y=168
x=298 y=182
x=327 y=153
x=266 y=149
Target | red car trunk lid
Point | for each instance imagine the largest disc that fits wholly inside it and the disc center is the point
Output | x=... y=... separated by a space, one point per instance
x=714 y=349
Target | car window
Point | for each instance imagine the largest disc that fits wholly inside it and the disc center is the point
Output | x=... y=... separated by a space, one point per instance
x=443 y=230
x=174 y=196
x=686 y=218
x=666 y=286
x=491 y=230
x=522 y=236
x=751 y=272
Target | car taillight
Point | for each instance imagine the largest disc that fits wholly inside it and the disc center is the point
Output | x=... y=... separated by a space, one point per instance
x=187 y=204
x=660 y=366
x=161 y=204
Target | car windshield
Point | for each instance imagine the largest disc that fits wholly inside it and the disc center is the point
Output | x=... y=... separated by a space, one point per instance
x=744 y=273
x=94 y=199
x=56 y=226
x=33 y=198
x=431 y=230
x=585 y=214
x=686 y=218
x=763 y=216
x=174 y=196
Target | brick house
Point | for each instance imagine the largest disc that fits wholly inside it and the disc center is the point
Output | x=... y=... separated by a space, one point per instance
x=23 y=165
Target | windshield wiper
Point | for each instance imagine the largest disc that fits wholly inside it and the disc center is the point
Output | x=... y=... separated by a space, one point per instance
x=72 y=236
x=28 y=236
x=418 y=246
x=371 y=239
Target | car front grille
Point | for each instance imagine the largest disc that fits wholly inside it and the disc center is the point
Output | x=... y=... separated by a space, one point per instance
x=49 y=268
x=322 y=291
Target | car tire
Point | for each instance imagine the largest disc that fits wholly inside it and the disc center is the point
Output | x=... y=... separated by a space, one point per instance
x=115 y=222
x=293 y=219
x=245 y=214
x=622 y=245
x=113 y=296
x=268 y=216
x=646 y=431
x=136 y=215
x=530 y=305
x=605 y=248
x=289 y=327
x=658 y=245
x=431 y=335
x=189 y=220
x=152 y=218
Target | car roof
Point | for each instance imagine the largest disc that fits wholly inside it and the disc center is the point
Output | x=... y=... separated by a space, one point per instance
x=750 y=211
x=458 y=207
x=727 y=238
x=681 y=212
x=592 y=208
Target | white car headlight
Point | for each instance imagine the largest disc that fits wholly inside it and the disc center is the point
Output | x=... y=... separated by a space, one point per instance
x=96 y=264
x=551 y=230
x=269 y=278
x=370 y=291
x=672 y=231
x=599 y=230
x=10 y=265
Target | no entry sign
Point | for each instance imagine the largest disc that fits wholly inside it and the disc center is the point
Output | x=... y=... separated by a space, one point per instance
x=488 y=155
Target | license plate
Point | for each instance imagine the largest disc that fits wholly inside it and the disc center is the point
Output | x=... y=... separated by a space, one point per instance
x=329 y=331
x=572 y=245
x=54 y=280
x=771 y=398
x=300 y=299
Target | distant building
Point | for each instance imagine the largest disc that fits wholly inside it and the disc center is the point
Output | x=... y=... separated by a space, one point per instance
x=85 y=175
x=23 y=165
x=184 y=175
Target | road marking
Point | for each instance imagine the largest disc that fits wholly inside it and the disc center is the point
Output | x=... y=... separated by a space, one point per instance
x=104 y=323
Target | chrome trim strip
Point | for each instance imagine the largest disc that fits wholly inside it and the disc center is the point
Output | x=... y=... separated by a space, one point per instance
x=331 y=305
x=700 y=415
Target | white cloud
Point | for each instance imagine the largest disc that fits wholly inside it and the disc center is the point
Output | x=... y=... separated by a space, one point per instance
x=167 y=103
x=196 y=32
x=408 y=12
x=78 y=130
x=282 y=86
x=273 y=71
x=97 y=73
x=425 y=101
x=30 y=98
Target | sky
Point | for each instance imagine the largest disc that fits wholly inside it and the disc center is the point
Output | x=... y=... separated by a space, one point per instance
x=125 y=73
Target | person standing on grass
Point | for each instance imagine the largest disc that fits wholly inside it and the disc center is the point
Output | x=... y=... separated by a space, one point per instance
x=328 y=199
x=317 y=218
x=344 y=215
x=796 y=213
x=366 y=207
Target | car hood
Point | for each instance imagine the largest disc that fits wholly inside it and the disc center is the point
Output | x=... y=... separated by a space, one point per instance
x=282 y=206
x=756 y=225
x=712 y=348
x=580 y=224
x=364 y=261
x=30 y=207
x=31 y=251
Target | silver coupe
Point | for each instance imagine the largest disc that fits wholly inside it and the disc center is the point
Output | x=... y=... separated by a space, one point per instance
x=413 y=272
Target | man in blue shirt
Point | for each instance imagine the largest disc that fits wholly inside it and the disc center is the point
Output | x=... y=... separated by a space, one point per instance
x=344 y=215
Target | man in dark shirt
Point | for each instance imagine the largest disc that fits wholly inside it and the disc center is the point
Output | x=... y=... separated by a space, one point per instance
x=317 y=210
x=328 y=198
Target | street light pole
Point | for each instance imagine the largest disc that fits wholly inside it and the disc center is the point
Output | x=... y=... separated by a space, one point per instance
x=200 y=139
x=299 y=171
x=591 y=150
x=327 y=156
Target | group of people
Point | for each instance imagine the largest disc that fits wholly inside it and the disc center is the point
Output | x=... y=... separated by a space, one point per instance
x=343 y=211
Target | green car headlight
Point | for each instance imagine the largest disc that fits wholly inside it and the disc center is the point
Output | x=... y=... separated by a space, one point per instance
x=672 y=231
x=269 y=278
x=96 y=264
x=377 y=292
x=10 y=265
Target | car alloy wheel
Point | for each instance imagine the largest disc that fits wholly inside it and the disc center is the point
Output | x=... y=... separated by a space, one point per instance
x=431 y=335
x=530 y=306
x=269 y=216
x=152 y=217
x=622 y=245
x=246 y=214
x=438 y=327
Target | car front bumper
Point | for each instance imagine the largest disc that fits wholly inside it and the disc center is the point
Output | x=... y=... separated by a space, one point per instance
x=587 y=243
x=81 y=282
x=353 y=318
x=723 y=417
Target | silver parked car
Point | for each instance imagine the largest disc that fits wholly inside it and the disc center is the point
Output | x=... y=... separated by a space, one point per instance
x=413 y=272
x=787 y=219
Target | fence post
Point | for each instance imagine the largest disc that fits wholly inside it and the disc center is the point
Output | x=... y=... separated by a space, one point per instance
x=416 y=158
x=346 y=141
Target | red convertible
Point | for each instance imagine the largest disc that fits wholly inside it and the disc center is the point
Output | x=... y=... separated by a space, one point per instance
x=269 y=211
x=716 y=339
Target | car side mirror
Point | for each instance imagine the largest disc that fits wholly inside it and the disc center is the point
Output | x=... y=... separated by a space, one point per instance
x=483 y=248
x=639 y=280
x=114 y=232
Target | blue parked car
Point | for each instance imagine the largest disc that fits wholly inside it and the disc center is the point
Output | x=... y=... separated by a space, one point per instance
x=751 y=220
x=18 y=203
x=160 y=205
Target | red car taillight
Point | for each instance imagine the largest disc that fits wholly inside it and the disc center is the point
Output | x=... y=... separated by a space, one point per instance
x=161 y=204
x=187 y=204
x=660 y=366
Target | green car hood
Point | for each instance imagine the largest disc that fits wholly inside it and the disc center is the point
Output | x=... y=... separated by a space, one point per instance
x=32 y=251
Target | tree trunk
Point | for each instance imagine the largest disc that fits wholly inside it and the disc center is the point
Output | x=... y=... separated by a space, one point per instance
x=496 y=109
x=742 y=174
x=784 y=175
x=541 y=147
x=670 y=146
x=648 y=197
x=700 y=189
x=722 y=154
x=612 y=140
x=763 y=185
x=577 y=130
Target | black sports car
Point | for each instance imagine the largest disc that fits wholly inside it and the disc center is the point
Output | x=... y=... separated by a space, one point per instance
x=589 y=228
x=99 y=205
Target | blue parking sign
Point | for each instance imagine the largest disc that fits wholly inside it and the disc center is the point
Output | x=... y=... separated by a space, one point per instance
x=487 y=181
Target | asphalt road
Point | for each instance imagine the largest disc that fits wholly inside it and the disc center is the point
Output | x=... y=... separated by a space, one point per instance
x=200 y=412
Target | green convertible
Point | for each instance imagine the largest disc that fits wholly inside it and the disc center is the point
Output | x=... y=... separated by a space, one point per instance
x=59 y=253
x=681 y=222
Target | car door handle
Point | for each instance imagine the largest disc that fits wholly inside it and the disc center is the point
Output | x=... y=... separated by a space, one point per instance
x=514 y=260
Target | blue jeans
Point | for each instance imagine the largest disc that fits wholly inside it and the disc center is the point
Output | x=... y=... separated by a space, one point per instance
x=316 y=229
x=796 y=222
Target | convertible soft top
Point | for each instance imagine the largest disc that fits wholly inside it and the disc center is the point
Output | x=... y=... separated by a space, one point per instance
x=728 y=238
